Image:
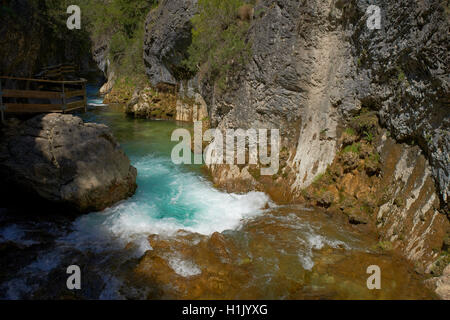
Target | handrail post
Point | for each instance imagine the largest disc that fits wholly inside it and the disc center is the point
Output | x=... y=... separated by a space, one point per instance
x=63 y=96
x=84 y=96
x=2 y=115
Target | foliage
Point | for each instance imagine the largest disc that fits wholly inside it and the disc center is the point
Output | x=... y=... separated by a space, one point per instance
x=375 y=157
x=47 y=19
x=365 y=122
x=219 y=43
x=401 y=74
x=123 y=20
x=355 y=147
x=368 y=136
x=318 y=178
x=350 y=131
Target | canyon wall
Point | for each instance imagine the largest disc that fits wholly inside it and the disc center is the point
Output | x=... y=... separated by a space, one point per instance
x=315 y=68
x=34 y=35
x=167 y=38
x=317 y=64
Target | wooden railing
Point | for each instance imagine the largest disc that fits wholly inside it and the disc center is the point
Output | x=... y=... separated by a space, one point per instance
x=57 y=72
x=58 y=95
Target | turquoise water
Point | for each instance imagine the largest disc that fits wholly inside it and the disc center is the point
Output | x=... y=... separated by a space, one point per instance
x=169 y=197
x=284 y=246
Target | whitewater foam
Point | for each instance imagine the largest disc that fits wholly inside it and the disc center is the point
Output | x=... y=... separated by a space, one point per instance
x=168 y=199
x=183 y=268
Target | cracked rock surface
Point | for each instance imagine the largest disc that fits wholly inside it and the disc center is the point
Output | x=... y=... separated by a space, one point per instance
x=61 y=159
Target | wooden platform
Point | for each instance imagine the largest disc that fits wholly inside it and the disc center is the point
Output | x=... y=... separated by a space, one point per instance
x=52 y=95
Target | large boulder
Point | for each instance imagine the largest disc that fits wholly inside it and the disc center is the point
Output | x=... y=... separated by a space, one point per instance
x=63 y=160
x=167 y=37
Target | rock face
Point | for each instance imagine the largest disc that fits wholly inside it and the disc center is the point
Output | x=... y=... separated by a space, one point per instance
x=193 y=109
x=63 y=160
x=403 y=74
x=100 y=52
x=27 y=43
x=149 y=104
x=441 y=284
x=292 y=82
x=409 y=216
x=168 y=35
x=317 y=64
x=315 y=67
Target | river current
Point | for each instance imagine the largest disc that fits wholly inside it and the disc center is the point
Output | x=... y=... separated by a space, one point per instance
x=284 y=251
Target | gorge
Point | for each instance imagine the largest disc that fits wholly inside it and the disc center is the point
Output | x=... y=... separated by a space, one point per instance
x=363 y=173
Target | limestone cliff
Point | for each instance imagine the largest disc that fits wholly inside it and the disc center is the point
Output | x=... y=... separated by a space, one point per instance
x=168 y=35
x=316 y=64
x=315 y=68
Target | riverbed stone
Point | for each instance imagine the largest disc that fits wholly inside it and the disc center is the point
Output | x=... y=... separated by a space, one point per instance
x=61 y=159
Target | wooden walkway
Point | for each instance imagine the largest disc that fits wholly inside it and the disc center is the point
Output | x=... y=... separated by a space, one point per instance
x=46 y=96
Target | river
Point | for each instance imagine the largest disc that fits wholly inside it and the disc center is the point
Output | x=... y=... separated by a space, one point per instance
x=261 y=250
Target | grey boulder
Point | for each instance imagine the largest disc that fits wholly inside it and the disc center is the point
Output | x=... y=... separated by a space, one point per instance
x=61 y=159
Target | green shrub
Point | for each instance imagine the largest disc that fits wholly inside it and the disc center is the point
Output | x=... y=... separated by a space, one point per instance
x=375 y=157
x=350 y=131
x=218 y=40
x=355 y=147
x=124 y=19
x=368 y=136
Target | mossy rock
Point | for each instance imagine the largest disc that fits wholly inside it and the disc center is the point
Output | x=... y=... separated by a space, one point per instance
x=367 y=121
x=384 y=245
x=372 y=167
x=325 y=199
x=399 y=202
x=440 y=264
x=350 y=160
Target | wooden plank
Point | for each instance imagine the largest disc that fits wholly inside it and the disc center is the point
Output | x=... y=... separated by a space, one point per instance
x=31 y=94
x=73 y=109
x=63 y=98
x=75 y=105
x=75 y=93
x=81 y=81
x=25 y=111
x=58 y=66
x=32 y=108
x=53 y=74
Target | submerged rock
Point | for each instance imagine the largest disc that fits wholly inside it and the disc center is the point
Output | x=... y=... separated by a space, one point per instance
x=275 y=255
x=61 y=159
